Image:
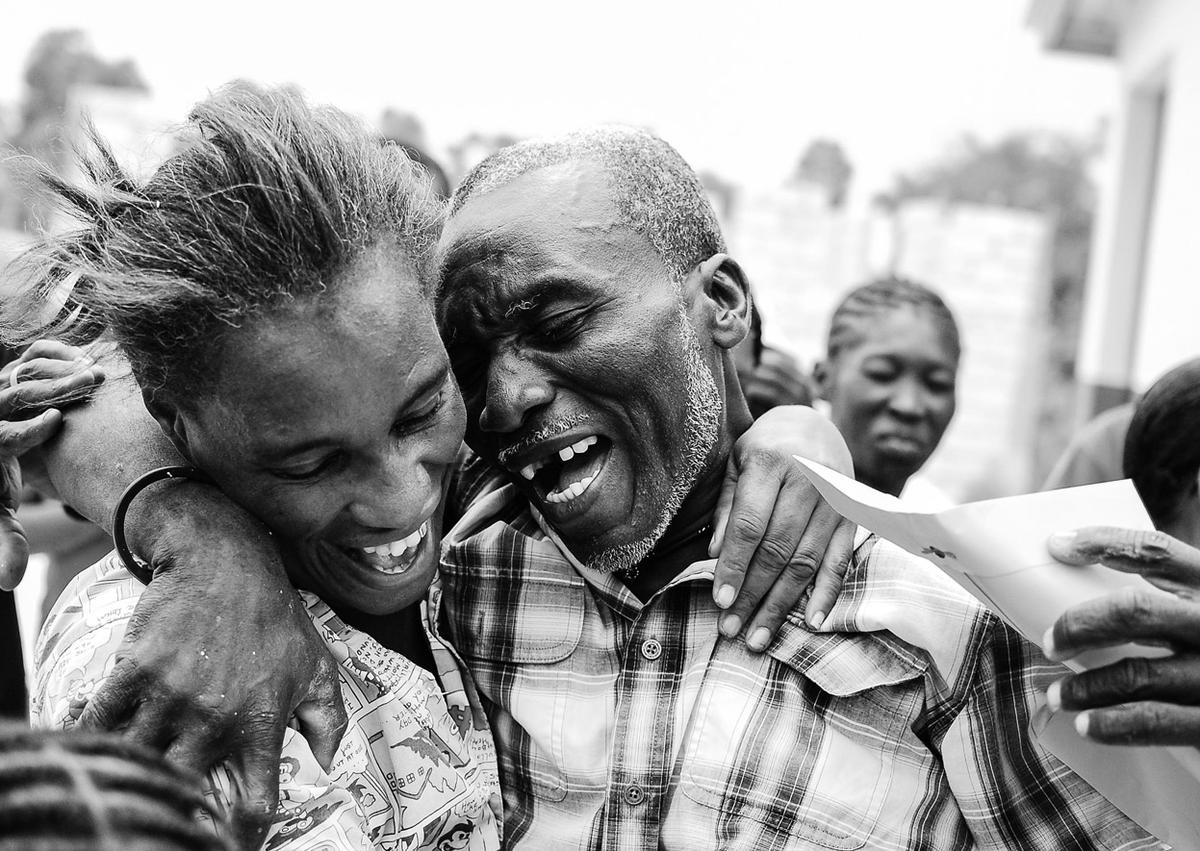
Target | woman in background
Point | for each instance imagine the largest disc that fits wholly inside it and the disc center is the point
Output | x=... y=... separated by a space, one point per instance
x=889 y=377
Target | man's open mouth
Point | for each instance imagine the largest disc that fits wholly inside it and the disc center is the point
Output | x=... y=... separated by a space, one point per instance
x=394 y=557
x=566 y=474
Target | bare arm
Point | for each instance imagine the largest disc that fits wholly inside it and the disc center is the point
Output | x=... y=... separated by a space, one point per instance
x=185 y=679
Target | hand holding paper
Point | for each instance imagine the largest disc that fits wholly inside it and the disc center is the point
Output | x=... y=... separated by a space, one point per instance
x=997 y=550
x=1158 y=700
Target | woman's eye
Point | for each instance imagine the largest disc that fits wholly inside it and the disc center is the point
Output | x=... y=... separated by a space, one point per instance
x=423 y=417
x=310 y=471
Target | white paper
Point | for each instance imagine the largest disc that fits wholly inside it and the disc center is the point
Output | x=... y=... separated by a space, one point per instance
x=996 y=550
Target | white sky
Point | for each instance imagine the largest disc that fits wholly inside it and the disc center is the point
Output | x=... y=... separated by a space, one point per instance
x=739 y=86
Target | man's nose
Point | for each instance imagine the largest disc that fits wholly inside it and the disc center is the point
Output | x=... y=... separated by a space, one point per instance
x=516 y=385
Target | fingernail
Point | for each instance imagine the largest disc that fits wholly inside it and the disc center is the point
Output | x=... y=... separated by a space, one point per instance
x=731 y=625
x=1082 y=720
x=1054 y=696
x=1048 y=645
x=759 y=638
x=816 y=620
x=1063 y=539
x=725 y=595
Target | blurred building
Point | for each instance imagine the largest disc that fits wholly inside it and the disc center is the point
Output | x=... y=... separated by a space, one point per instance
x=1142 y=292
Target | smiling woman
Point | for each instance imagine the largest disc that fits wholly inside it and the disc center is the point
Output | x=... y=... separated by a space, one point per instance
x=269 y=278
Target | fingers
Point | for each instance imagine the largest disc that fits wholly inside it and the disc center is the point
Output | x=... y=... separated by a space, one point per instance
x=255 y=769
x=831 y=574
x=1130 y=615
x=14 y=548
x=1172 y=679
x=322 y=716
x=748 y=498
x=768 y=533
x=49 y=349
x=34 y=396
x=1163 y=560
x=197 y=749
x=1142 y=724
x=19 y=436
x=797 y=574
x=116 y=702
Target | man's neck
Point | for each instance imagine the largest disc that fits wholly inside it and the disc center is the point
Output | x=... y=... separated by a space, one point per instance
x=686 y=539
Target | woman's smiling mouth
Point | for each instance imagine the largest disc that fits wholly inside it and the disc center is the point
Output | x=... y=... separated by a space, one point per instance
x=392 y=558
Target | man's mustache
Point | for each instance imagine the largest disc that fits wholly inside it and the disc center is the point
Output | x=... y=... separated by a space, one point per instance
x=542 y=433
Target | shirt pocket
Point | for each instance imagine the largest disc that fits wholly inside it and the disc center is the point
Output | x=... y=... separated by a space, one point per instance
x=518 y=632
x=806 y=754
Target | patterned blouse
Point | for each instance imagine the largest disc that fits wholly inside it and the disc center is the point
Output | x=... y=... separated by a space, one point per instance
x=416 y=768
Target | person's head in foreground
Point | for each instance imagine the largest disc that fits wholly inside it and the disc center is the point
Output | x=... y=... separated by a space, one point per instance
x=77 y=791
x=1162 y=452
x=590 y=312
x=889 y=377
x=269 y=287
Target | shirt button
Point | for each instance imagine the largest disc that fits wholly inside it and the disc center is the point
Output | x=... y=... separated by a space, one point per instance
x=651 y=649
x=634 y=794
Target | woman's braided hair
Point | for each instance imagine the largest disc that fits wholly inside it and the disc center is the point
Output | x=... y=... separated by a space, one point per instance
x=885 y=294
x=70 y=791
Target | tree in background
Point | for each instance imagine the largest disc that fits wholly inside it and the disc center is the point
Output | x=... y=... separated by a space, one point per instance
x=826 y=165
x=1045 y=173
x=59 y=62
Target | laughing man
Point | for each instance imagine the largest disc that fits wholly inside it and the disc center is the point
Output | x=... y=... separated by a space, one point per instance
x=590 y=311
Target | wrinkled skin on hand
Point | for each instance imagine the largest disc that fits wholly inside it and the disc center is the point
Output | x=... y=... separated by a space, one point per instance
x=1133 y=701
x=52 y=375
x=219 y=655
x=773 y=531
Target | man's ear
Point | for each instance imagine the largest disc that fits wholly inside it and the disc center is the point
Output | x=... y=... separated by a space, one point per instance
x=728 y=290
x=822 y=378
x=169 y=419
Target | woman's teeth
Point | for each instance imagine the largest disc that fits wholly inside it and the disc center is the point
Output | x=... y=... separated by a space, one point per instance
x=396 y=556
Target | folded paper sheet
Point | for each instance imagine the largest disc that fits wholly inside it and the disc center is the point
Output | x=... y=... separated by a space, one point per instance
x=996 y=550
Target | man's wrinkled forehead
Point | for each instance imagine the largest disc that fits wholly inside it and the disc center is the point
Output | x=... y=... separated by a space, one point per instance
x=557 y=221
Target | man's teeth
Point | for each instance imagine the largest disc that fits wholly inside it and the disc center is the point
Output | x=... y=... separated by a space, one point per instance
x=571 y=491
x=565 y=454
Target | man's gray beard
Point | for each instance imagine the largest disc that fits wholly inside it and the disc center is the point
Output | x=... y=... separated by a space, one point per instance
x=702 y=424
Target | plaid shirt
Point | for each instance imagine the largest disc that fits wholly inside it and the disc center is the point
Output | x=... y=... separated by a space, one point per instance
x=630 y=725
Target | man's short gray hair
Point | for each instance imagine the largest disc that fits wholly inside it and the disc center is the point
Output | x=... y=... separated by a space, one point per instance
x=655 y=191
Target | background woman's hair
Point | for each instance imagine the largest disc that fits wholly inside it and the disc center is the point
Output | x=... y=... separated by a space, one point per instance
x=1162 y=446
x=268 y=199
x=879 y=296
x=66 y=791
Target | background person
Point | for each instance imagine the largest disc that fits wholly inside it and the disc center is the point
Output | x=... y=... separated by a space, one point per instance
x=770 y=377
x=1144 y=701
x=889 y=375
x=97 y=791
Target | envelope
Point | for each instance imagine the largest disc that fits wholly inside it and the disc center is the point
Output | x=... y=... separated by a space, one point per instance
x=996 y=550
